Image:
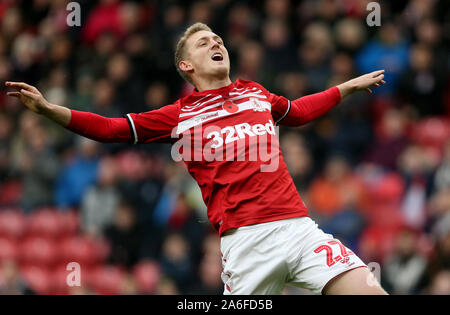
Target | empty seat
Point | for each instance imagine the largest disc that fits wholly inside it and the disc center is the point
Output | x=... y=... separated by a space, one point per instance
x=39 y=251
x=431 y=131
x=388 y=189
x=147 y=274
x=69 y=222
x=8 y=249
x=45 y=222
x=60 y=276
x=107 y=280
x=83 y=250
x=13 y=223
x=37 y=278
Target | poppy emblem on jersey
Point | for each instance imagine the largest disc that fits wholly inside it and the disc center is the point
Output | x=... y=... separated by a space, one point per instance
x=230 y=107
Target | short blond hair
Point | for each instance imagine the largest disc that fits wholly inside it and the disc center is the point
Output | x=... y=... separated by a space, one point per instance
x=180 y=50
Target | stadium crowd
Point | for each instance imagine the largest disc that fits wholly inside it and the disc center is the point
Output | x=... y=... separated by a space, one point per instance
x=374 y=172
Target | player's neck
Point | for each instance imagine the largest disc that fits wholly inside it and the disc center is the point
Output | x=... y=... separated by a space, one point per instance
x=212 y=83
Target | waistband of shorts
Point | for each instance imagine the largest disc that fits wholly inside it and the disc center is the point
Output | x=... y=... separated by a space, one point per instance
x=271 y=224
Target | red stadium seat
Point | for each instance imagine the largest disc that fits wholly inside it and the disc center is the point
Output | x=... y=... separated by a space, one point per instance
x=432 y=131
x=39 y=251
x=102 y=249
x=59 y=276
x=45 y=222
x=83 y=250
x=70 y=222
x=59 y=280
x=147 y=274
x=8 y=249
x=13 y=223
x=387 y=216
x=39 y=279
x=107 y=280
x=388 y=189
x=130 y=164
x=11 y=191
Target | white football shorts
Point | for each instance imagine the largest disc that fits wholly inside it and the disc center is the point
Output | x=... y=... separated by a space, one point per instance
x=263 y=258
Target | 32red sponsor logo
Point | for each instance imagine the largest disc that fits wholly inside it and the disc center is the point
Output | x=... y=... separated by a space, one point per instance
x=240 y=131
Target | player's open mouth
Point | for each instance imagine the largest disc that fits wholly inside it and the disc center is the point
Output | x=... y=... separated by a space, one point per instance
x=217 y=57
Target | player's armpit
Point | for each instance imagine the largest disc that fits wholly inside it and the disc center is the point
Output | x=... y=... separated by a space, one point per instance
x=99 y=128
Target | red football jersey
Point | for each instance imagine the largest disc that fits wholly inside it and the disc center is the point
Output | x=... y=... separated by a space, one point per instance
x=227 y=139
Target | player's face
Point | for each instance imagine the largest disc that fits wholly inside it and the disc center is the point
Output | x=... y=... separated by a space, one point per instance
x=207 y=55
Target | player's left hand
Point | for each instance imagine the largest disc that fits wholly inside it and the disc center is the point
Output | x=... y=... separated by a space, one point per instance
x=364 y=82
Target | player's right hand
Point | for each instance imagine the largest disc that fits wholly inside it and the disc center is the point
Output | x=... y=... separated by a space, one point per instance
x=29 y=96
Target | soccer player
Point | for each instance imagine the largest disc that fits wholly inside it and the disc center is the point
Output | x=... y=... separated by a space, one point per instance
x=267 y=238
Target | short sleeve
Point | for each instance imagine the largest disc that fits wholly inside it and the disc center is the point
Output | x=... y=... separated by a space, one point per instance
x=154 y=126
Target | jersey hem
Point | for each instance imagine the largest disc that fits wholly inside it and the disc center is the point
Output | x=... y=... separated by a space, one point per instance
x=253 y=221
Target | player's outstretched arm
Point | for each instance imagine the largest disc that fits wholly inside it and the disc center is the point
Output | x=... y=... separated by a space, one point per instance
x=364 y=82
x=33 y=99
x=310 y=107
x=86 y=124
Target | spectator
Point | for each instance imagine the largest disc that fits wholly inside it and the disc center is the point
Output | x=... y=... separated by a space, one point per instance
x=157 y=95
x=278 y=46
x=6 y=132
x=33 y=158
x=127 y=86
x=11 y=282
x=184 y=220
x=440 y=284
x=389 y=51
x=390 y=139
x=405 y=266
x=103 y=101
x=124 y=236
x=167 y=287
x=251 y=65
x=78 y=175
x=298 y=160
x=442 y=178
x=336 y=190
x=175 y=261
x=422 y=84
x=336 y=200
x=99 y=203
x=417 y=168
x=104 y=17
x=396 y=165
x=209 y=281
x=439 y=260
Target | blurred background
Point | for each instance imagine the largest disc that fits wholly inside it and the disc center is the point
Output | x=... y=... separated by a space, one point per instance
x=374 y=172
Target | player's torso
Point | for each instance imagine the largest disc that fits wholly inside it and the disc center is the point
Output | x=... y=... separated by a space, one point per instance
x=235 y=112
x=230 y=145
x=221 y=127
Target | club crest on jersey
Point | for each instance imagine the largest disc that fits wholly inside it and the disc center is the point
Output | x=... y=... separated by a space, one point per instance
x=257 y=107
x=230 y=107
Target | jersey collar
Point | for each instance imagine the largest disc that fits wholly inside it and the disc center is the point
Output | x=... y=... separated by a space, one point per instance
x=222 y=90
